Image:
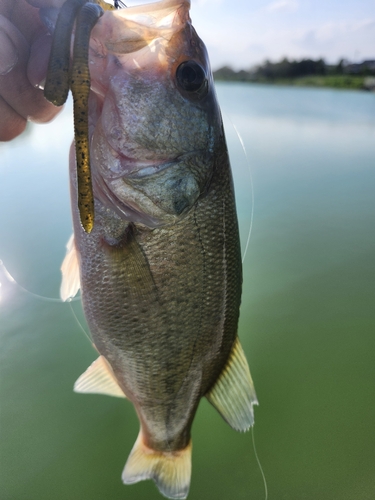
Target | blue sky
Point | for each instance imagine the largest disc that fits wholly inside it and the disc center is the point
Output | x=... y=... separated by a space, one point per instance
x=242 y=33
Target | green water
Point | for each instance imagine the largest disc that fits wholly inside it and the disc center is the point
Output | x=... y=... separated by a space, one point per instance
x=307 y=321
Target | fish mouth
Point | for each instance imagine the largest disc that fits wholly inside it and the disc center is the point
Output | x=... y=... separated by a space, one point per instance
x=152 y=168
x=154 y=193
x=128 y=167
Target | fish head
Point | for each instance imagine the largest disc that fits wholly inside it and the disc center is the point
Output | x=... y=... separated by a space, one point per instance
x=154 y=120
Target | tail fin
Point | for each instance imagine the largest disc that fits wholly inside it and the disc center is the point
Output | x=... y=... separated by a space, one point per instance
x=170 y=470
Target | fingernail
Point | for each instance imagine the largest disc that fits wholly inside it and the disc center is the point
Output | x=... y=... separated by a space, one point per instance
x=8 y=53
x=41 y=84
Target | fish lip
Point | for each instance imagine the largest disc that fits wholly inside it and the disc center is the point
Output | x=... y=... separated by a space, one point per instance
x=156 y=167
x=133 y=168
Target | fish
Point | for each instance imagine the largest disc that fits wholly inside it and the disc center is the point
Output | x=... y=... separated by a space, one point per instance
x=160 y=271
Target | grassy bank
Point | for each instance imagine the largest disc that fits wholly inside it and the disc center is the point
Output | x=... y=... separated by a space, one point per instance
x=334 y=81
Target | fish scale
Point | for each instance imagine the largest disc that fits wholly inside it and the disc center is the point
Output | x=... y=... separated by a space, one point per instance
x=161 y=337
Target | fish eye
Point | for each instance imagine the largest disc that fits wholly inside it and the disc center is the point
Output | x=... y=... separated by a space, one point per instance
x=191 y=76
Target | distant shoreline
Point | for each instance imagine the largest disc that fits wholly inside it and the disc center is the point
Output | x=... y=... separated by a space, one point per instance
x=348 y=82
x=305 y=73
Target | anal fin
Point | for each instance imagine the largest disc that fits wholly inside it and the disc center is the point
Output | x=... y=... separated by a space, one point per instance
x=233 y=394
x=99 y=379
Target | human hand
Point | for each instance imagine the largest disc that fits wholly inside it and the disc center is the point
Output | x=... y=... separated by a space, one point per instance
x=24 y=51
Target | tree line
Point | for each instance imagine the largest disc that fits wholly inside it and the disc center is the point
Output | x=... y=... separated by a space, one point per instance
x=289 y=69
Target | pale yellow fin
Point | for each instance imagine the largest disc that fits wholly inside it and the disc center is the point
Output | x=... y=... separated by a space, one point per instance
x=99 y=379
x=70 y=272
x=233 y=394
x=171 y=470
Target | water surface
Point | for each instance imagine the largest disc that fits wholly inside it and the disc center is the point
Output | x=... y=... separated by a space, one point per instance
x=307 y=320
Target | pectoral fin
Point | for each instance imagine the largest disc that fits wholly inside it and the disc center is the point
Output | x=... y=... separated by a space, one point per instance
x=99 y=379
x=70 y=272
x=133 y=271
x=233 y=394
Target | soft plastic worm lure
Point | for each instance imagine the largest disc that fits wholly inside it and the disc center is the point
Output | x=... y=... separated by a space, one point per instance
x=63 y=76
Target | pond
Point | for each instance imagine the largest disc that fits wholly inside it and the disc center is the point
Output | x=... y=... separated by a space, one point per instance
x=305 y=183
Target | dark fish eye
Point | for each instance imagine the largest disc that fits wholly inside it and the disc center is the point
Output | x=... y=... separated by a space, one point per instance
x=191 y=76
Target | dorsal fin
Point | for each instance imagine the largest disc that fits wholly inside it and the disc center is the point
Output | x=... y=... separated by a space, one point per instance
x=70 y=272
x=233 y=394
x=99 y=379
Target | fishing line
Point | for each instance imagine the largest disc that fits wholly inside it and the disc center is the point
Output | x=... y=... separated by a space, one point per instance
x=251 y=188
x=259 y=465
x=243 y=259
x=248 y=164
x=78 y=321
x=7 y=277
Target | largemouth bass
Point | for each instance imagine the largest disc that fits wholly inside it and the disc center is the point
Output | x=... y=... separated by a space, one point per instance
x=160 y=272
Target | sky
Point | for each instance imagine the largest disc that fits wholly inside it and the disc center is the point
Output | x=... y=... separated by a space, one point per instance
x=244 y=33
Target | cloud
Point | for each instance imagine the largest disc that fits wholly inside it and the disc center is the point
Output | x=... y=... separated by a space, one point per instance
x=242 y=33
x=333 y=30
x=283 y=5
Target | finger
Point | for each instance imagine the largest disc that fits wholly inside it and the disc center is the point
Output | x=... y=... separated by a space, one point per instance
x=15 y=87
x=8 y=53
x=46 y=3
x=11 y=123
x=24 y=17
x=38 y=60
